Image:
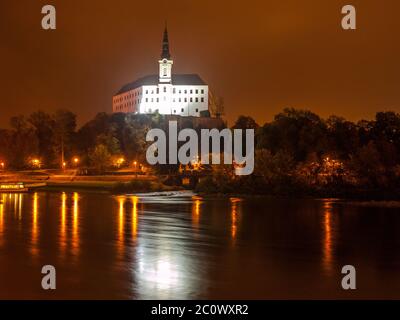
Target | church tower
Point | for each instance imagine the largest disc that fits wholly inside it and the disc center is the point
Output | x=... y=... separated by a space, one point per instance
x=166 y=62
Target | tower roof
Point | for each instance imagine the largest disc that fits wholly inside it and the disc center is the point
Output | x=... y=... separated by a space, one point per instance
x=165 y=45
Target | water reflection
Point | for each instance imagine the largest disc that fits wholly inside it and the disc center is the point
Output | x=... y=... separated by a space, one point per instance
x=135 y=200
x=162 y=273
x=170 y=247
x=20 y=206
x=2 y=219
x=35 y=230
x=196 y=211
x=235 y=206
x=63 y=224
x=327 y=258
x=75 y=224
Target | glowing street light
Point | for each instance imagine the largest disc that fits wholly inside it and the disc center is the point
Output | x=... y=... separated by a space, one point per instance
x=120 y=161
x=36 y=163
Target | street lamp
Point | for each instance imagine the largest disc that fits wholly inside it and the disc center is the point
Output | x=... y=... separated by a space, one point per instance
x=120 y=161
x=36 y=163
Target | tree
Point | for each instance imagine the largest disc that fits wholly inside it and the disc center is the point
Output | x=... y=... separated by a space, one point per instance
x=100 y=158
x=43 y=125
x=298 y=132
x=23 y=142
x=64 y=130
x=343 y=137
x=245 y=122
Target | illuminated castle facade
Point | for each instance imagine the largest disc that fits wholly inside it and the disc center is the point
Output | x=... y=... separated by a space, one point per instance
x=165 y=92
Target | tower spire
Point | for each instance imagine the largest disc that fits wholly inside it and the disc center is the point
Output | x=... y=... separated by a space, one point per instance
x=165 y=45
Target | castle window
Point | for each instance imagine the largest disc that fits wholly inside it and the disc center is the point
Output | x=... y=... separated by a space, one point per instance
x=191 y=99
x=174 y=111
x=182 y=110
x=180 y=91
x=165 y=89
x=147 y=91
x=202 y=99
x=157 y=100
x=197 y=91
x=180 y=100
x=185 y=99
x=202 y=90
x=185 y=91
x=197 y=110
x=147 y=99
x=197 y=99
x=173 y=90
x=157 y=90
x=191 y=91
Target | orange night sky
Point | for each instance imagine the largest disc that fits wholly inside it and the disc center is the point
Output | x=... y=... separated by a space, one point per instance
x=260 y=55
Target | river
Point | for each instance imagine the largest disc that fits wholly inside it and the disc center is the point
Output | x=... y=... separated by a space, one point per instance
x=182 y=246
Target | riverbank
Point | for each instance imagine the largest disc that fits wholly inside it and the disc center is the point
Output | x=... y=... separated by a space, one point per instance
x=68 y=181
x=116 y=187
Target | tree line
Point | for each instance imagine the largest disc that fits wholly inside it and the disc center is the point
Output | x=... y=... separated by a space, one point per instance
x=301 y=153
x=296 y=152
x=54 y=139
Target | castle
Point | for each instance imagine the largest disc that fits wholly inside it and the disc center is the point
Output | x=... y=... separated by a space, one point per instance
x=165 y=92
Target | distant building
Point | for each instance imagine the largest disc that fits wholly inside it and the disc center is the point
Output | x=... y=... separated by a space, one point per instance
x=167 y=93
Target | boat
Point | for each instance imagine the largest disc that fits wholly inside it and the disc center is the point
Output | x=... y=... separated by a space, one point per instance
x=13 y=187
x=7 y=187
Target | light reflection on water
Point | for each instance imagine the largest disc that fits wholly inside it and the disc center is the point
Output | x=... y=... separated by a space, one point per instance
x=182 y=246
